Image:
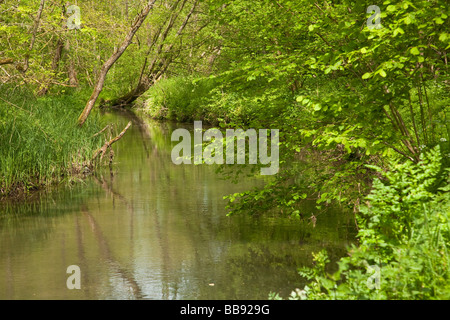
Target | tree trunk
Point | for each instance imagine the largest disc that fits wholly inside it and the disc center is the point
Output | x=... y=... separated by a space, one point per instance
x=37 y=21
x=72 y=73
x=131 y=96
x=55 y=65
x=6 y=61
x=109 y=63
x=156 y=69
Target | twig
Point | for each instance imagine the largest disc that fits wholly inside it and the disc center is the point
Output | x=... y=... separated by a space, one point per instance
x=109 y=143
x=6 y=61
x=101 y=131
x=14 y=105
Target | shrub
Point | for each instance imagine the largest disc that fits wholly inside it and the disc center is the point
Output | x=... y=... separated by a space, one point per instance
x=179 y=99
x=404 y=231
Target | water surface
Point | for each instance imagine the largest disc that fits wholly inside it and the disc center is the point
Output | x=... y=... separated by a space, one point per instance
x=148 y=229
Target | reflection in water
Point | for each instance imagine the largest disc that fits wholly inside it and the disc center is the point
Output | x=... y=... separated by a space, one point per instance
x=147 y=229
x=106 y=254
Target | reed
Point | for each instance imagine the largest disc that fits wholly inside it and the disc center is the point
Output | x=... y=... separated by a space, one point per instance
x=40 y=143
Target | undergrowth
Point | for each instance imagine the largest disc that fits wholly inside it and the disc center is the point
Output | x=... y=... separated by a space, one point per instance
x=404 y=238
x=40 y=142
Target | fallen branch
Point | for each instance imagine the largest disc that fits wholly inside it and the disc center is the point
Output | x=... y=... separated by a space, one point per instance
x=109 y=143
x=101 y=131
x=6 y=61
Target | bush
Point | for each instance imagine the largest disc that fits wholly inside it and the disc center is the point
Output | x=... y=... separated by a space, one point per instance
x=215 y=101
x=404 y=233
x=180 y=99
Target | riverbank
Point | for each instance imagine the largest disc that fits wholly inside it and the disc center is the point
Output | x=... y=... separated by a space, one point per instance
x=323 y=156
x=401 y=207
x=40 y=144
x=157 y=228
x=396 y=205
x=308 y=171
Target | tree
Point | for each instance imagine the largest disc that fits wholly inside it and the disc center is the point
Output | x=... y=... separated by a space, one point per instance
x=115 y=56
x=163 y=55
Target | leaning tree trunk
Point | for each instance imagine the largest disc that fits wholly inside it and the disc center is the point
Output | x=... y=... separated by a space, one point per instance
x=156 y=69
x=115 y=56
x=144 y=84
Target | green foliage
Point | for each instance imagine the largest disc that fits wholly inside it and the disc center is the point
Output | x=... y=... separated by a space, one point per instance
x=39 y=140
x=404 y=229
x=347 y=100
x=179 y=98
x=341 y=94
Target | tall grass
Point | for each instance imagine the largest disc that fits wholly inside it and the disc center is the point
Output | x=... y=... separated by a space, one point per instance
x=214 y=101
x=40 y=142
x=180 y=98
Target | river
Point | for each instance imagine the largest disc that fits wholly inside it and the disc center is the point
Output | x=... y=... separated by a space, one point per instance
x=148 y=229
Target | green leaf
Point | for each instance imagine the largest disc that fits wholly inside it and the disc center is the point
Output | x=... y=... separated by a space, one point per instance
x=398 y=30
x=367 y=75
x=299 y=98
x=391 y=8
x=415 y=51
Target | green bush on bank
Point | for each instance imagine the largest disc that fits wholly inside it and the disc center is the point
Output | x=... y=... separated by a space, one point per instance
x=404 y=230
x=327 y=155
x=180 y=99
x=39 y=140
x=215 y=101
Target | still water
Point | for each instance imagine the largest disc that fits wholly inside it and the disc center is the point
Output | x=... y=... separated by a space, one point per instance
x=148 y=229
